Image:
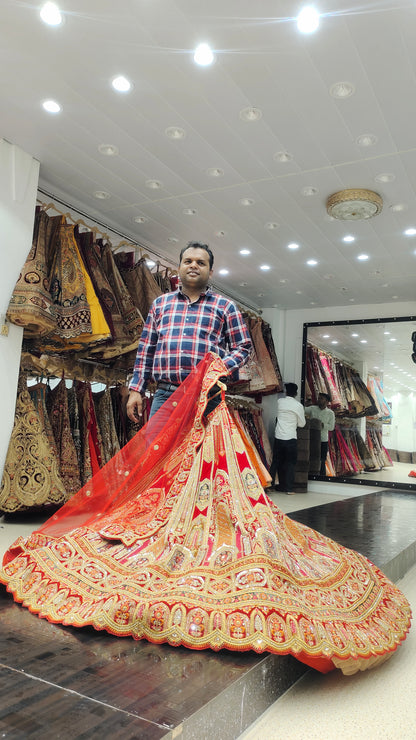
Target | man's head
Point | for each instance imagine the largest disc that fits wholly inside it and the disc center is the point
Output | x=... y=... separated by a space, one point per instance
x=195 y=267
x=291 y=389
x=323 y=400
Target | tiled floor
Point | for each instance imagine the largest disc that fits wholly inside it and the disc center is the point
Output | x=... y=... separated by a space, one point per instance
x=92 y=676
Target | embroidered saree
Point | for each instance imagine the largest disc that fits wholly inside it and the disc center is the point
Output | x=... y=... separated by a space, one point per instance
x=174 y=540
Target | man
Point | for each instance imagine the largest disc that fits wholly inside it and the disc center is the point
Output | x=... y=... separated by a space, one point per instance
x=182 y=327
x=290 y=416
x=327 y=418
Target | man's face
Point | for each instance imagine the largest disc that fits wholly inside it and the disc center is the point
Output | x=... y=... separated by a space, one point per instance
x=322 y=402
x=194 y=270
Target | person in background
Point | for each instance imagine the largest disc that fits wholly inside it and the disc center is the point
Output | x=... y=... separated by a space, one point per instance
x=290 y=416
x=182 y=327
x=327 y=418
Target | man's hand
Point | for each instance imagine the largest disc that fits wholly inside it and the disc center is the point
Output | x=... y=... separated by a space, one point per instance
x=135 y=407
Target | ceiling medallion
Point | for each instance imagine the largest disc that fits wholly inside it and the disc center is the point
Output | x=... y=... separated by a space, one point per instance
x=354 y=205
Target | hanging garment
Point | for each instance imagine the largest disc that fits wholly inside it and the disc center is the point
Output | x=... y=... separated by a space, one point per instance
x=31 y=474
x=140 y=282
x=31 y=304
x=271 y=380
x=58 y=411
x=174 y=540
x=105 y=420
x=91 y=445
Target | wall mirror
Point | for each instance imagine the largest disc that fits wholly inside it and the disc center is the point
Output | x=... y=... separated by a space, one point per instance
x=379 y=350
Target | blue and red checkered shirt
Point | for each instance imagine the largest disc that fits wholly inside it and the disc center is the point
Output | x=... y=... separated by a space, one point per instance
x=177 y=334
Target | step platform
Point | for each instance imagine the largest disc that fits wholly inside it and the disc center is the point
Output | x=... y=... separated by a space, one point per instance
x=78 y=683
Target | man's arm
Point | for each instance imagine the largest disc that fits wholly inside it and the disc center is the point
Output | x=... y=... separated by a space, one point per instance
x=238 y=338
x=143 y=368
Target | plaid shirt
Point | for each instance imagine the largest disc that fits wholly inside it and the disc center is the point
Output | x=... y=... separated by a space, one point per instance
x=178 y=334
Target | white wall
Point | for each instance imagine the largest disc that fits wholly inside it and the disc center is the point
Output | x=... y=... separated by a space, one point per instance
x=19 y=174
x=401 y=434
x=287 y=330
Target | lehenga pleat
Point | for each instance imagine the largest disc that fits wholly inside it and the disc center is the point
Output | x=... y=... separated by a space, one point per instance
x=175 y=541
x=140 y=282
x=60 y=422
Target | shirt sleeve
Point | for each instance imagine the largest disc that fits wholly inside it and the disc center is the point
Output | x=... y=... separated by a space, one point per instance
x=331 y=422
x=301 y=416
x=143 y=366
x=238 y=338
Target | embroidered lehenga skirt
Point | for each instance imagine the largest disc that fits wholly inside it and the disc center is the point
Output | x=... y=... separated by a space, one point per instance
x=175 y=541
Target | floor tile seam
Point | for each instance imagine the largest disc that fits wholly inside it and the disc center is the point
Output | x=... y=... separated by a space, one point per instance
x=53 y=685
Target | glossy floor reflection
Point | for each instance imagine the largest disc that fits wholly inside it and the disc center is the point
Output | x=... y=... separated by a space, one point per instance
x=63 y=682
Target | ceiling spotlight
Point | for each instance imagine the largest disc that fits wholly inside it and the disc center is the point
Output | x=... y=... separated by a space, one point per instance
x=243 y=285
x=150 y=263
x=385 y=177
x=245 y=252
x=121 y=84
x=189 y=212
x=293 y=245
x=363 y=341
x=271 y=225
x=309 y=190
x=220 y=234
x=139 y=219
x=175 y=132
x=342 y=90
x=51 y=14
x=355 y=335
x=250 y=114
x=173 y=239
x=299 y=292
x=153 y=184
x=102 y=195
x=348 y=238
x=307 y=20
x=223 y=271
x=51 y=106
x=283 y=157
x=397 y=207
x=362 y=257
x=203 y=55
x=215 y=172
x=264 y=267
x=367 y=140
x=334 y=341
x=246 y=202
x=109 y=150
x=410 y=232
x=312 y=263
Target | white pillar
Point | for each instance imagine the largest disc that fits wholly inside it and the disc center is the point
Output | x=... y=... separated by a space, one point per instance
x=19 y=174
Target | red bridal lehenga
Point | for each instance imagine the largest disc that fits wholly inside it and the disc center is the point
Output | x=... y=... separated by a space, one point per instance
x=175 y=541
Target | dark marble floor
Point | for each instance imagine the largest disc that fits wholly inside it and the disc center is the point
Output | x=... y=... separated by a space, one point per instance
x=58 y=682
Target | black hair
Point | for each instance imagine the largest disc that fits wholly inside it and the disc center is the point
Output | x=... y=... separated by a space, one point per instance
x=291 y=389
x=326 y=395
x=198 y=245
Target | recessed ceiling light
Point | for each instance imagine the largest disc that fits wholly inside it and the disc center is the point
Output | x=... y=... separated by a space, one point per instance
x=355 y=335
x=283 y=157
x=385 y=177
x=189 y=212
x=367 y=140
x=397 y=207
x=264 y=267
x=348 y=238
x=312 y=263
x=51 y=106
x=245 y=252
x=309 y=190
x=307 y=20
x=203 y=55
x=51 y=14
x=109 y=150
x=153 y=184
x=150 y=263
x=243 y=285
x=173 y=239
x=363 y=341
x=283 y=281
x=299 y=292
x=102 y=195
x=410 y=232
x=250 y=114
x=121 y=84
x=334 y=341
x=215 y=172
x=342 y=90
x=384 y=285
x=394 y=298
x=328 y=276
x=175 y=132
x=140 y=219
x=223 y=271
x=246 y=202
x=271 y=225
x=260 y=295
x=293 y=245
x=326 y=336
x=393 y=339
x=362 y=257
x=220 y=234
x=344 y=289
x=386 y=332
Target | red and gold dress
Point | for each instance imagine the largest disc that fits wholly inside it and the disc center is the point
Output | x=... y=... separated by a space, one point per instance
x=174 y=540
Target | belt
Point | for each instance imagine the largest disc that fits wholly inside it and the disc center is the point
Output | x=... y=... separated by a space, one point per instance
x=164 y=386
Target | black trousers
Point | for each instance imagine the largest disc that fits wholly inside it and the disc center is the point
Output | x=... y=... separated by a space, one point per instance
x=285 y=455
x=324 y=452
